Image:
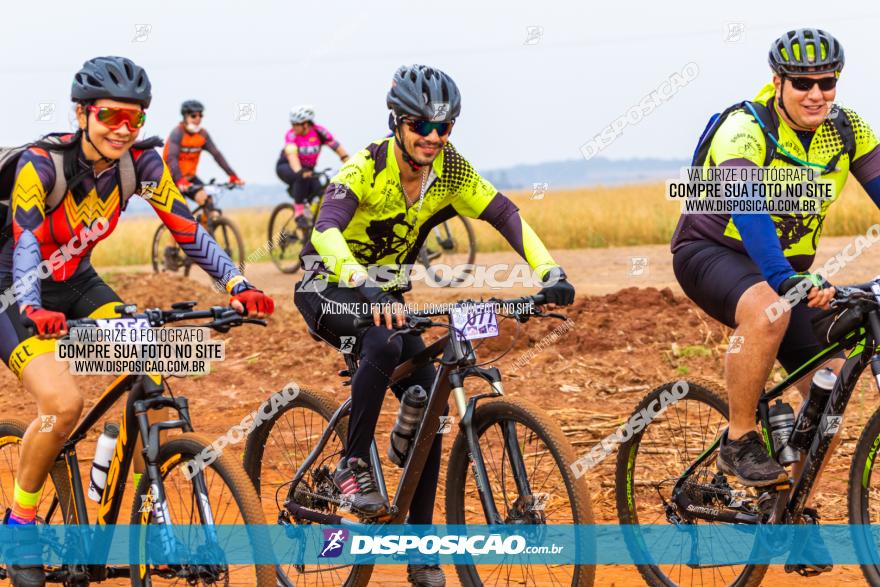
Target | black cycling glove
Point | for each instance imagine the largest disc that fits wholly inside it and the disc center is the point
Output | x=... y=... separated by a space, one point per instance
x=814 y=279
x=557 y=290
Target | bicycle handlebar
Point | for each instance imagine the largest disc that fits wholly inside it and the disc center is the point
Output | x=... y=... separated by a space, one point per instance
x=422 y=319
x=222 y=317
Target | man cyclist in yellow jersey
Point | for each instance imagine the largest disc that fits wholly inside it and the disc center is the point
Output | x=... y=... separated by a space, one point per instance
x=111 y=96
x=376 y=213
x=735 y=266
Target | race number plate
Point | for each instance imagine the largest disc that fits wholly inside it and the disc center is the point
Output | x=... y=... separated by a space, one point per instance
x=123 y=323
x=473 y=321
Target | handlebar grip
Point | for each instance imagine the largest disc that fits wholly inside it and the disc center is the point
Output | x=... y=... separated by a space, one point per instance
x=363 y=322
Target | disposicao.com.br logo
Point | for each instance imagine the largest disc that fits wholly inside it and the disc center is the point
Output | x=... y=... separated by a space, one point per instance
x=334 y=542
x=492 y=544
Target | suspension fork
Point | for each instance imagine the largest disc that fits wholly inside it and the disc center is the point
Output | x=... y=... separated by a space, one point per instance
x=150 y=441
x=466 y=410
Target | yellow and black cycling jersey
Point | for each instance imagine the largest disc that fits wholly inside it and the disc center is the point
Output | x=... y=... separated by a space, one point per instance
x=365 y=220
x=740 y=141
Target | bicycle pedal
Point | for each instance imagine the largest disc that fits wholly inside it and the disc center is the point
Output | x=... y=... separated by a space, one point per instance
x=804 y=571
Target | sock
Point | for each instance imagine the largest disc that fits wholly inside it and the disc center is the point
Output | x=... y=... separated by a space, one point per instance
x=24 y=506
x=137 y=479
x=299 y=209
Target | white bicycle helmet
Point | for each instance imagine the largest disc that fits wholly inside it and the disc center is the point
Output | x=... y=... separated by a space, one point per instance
x=304 y=113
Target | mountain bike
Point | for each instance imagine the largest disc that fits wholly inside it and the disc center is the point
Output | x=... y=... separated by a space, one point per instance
x=509 y=463
x=167 y=255
x=453 y=238
x=667 y=472
x=287 y=237
x=220 y=493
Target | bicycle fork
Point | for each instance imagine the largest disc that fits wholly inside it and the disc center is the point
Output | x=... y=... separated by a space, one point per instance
x=511 y=443
x=150 y=440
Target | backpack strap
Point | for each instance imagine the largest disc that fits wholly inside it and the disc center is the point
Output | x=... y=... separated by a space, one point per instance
x=59 y=190
x=127 y=179
x=843 y=125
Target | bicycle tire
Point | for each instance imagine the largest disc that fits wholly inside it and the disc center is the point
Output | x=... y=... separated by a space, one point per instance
x=185 y=447
x=549 y=431
x=702 y=391
x=237 y=246
x=858 y=496
x=254 y=460
x=12 y=432
x=285 y=267
x=471 y=238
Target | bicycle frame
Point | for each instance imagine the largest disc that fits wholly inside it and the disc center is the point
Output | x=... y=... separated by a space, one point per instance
x=145 y=392
x=457 y=363
x=794 y=494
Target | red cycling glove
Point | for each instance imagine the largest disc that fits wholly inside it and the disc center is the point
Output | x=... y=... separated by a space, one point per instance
x=184 y=184
x=235 y=179
x=44 y=322
x=255 y=301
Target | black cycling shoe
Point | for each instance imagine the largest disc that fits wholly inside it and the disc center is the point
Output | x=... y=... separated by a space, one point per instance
x=28 y=572
x=813 y=549
x=355 y=480
x=747 y=459
x=302 y=221
x=425 y=575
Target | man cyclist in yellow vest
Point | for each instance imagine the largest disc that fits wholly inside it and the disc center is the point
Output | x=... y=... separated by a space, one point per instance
x=735 y=266
x=376 y=213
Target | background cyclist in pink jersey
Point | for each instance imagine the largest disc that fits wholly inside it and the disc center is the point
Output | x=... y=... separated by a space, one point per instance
x=302 y=145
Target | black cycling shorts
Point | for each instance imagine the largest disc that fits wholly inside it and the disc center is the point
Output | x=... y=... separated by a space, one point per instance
x=715 y=278
x=82 y=296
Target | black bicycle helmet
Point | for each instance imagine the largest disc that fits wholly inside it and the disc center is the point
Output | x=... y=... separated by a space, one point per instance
x=112 y=77
x=423 y=92
x=191 y=107
x=806 y=51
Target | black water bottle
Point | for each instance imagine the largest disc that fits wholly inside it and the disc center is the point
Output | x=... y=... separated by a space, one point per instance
x=412 y=406
x=781 y=419
x=808 y=418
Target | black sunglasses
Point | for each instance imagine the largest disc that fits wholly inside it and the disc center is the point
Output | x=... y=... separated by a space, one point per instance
x=805 y=84
x=426 y=127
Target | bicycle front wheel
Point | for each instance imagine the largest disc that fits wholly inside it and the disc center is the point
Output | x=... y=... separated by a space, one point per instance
x=229 y=238
x=680 y=425
x=864 y=499
x=230 y=499
x=515 y=435
x=449 y=251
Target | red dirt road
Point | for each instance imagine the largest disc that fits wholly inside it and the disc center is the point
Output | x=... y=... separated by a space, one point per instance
x=625 y=343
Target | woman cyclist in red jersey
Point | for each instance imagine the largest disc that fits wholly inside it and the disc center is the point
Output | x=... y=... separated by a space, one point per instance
x=111 y=95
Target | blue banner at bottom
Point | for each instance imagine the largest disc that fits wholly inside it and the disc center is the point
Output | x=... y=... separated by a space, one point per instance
x=444 y=544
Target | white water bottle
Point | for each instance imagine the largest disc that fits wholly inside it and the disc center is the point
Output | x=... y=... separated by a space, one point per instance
x=101 y=463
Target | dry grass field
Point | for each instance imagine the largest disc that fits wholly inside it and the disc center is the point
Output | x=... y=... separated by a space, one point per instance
x=564 y=219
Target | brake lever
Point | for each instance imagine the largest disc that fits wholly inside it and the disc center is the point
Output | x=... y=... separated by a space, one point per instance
x=556 y=315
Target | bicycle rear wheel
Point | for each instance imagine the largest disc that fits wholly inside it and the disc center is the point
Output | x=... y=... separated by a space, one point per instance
x=287 y=239
x=231 y=498
x=55 y=506
x=275 y=449
x=556 y=497
x=651 y=461
x=166 y=254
